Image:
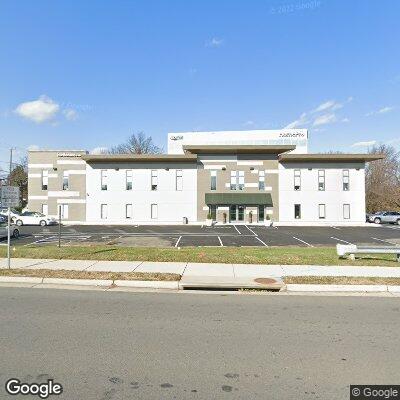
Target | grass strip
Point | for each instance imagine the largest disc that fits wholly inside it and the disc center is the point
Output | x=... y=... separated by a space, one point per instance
x=340 y=280
x=68 y=274
x=230 y=255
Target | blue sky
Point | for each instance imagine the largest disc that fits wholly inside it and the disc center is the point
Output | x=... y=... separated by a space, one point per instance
x=100 y=70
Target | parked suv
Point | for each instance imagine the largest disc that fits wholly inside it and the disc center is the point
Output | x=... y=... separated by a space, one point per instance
x=391 y=217
x=4 y=229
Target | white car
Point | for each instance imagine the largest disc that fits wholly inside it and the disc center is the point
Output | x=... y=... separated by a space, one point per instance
x=4 y=229
x=34 y=218
x=4 y=212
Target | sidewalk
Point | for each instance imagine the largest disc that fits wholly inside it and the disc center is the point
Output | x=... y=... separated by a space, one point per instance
x=194 y=271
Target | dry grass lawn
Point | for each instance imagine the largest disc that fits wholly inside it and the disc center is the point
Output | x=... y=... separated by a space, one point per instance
x=341 y=280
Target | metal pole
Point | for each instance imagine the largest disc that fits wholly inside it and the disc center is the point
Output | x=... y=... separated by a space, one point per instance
x=9 y=176
x=59 y=225
x=9 y=238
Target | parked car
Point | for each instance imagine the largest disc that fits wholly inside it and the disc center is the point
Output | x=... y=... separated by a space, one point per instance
x=381 y=217
x=4 y=229
x=4 y=212
x=34 y=218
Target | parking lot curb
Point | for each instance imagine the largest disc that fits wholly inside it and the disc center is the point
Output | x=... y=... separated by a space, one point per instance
x=20 y=279
x=342 y=288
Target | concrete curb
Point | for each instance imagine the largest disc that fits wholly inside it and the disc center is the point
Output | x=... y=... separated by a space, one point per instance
x=343 y=288
x=20 y=279
x=149 y=284
x=77 y=282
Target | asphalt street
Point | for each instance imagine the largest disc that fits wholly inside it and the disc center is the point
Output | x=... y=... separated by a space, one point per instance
x=219 y=235
x=116 y=345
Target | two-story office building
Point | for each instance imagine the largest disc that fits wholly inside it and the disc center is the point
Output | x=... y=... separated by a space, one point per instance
x=232 y=177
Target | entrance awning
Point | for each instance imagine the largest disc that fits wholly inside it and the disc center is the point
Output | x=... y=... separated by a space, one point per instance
x=239 y=199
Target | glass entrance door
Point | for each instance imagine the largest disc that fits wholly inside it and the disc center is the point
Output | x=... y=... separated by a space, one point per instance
x=236 y=213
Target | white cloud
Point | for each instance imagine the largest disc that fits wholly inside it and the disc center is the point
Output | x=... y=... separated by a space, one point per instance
x=70 y=114
x=33 y=147
x=99 y=150
x=325 y=119
x=345 y=120
x=41 y=110
x=299 y=122
x=215 y=42
x=382 y=110
x=364 y=144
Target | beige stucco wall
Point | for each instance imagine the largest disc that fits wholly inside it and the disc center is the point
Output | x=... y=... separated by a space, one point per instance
x=56 y=163
x=207 y=163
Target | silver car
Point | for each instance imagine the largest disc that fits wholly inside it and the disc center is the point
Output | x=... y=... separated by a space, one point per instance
x=391 y=217
x=4 y=229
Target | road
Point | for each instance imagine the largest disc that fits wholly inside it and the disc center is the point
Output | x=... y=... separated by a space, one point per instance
x=219 y=235
x=116 y=345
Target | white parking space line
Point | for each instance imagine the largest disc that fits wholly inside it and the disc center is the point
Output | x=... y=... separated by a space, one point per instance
x=396 y=228
x=220 y=242
x=340 y=240
x=177 y=242
x=237 y=229
x=335 y=227
x=255 y=234
x=265 y=244
x=385 y=241
x=302 y=241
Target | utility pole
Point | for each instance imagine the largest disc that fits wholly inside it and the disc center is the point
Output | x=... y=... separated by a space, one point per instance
x=11 y=156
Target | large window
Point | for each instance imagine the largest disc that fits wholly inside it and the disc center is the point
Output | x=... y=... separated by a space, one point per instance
x=103 y=211
x=154 y=211
x=297 y=179
x=64 y=211
x=346 y=211
x=212 y=210
x=213 y=183
x=261 y=213
x=237 y=180
x=128 y=211
x=321 y=211
x=297 y=211
x=261 y=180
x=65 y=181
x=103 y=179
x=321 y=179
x=346 y=180
x=45 y=179
x=154 y=179
x=45 y=209
x=179 y=180
x=129 y=179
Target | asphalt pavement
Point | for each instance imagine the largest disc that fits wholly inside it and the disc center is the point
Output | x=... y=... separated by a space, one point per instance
x=115 y=345
x=219 y=235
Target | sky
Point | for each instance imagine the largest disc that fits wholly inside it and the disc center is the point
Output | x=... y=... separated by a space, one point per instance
x=87 y=74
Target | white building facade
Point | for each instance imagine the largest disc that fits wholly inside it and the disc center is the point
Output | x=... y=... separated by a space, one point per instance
x=255 y=177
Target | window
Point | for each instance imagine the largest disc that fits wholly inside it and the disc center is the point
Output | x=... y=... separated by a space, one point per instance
x=154 y=179
x=45 y=209
x=103 y=179
x=261 y=180
x=237 y=180
x=346 y=180
x=179 y=180
x=154 y=211
x=346 y=211
x=45 y=179
x=297 y=179
x=103 y=211
x=128 y=211
x=65 y=181
x=297 y=211
x=129 y=179
x=64 y=211
x=321 y=179
x=261 y=213
x=213 y=185
x=233 y=180
x=321 y=211
x=241 y=180
x=212 y=210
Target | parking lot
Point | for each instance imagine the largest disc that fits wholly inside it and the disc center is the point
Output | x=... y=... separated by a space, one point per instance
x=199 y=236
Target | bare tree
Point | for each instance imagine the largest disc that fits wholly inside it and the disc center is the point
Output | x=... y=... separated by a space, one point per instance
x=383 y=180
x=137 y=143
